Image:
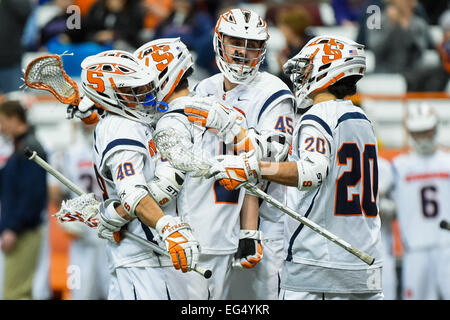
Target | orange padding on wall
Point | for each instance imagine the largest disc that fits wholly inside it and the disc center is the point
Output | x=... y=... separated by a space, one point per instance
x=397 y=246
x=59 y=256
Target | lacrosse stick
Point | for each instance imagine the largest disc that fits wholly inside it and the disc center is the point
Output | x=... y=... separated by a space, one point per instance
x=47 y=73
x=170 y=146
x=444 y=225
x=93 y=222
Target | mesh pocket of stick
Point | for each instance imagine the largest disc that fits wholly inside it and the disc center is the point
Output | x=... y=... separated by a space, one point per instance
x=47 y=73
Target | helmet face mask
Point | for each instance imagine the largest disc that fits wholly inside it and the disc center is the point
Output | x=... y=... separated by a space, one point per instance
x=323 y=61
x=137 y=97
x=241 y=56
x=118 y=83
x=240 y=41
x=421 y=123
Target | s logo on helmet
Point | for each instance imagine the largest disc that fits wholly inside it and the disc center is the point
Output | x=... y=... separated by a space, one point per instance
x=332 y=51
x=159 y=54
x=95 y=82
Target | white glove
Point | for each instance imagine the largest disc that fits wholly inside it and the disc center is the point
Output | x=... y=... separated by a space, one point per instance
x=83 y=208
x=250 y=251
x=212 y=114
x=180 y=242
x=110 y=221
x=86 y=111
x=270 y=146
x=234 y=171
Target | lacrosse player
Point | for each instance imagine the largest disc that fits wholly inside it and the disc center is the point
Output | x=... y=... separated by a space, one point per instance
x=125 y=157
x=333 y=175
x=219 y=217
x=240 y=40
x=87 y=253
x=421 y=189
x=387 y=214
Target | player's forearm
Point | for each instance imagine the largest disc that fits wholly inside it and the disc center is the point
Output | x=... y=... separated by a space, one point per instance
x=284 y=173
x=148 y=211
x=249 y=213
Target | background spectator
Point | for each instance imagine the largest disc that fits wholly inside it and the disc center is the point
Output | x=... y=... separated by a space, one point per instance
x=156 y=11
x=349 y=12
x=13 y=17
x=401 y=41
x=23 y=196
x=444 y=49
x=292 y=22
x=187 y=22
x=114 y=22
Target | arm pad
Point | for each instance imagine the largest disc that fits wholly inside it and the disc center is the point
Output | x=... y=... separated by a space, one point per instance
x=166 y=184
x=131 y=197
x=312 y=169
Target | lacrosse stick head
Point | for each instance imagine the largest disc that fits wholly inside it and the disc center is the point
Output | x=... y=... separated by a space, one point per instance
x=171 y=147
x=47 y=73
x=83 y=208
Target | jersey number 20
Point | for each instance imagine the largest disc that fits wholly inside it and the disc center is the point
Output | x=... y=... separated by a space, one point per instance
x=365 y=172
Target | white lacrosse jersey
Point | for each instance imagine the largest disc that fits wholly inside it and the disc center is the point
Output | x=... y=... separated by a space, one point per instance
x=421 y=192
x=212 y=211
x=268 y=105
x=345 y=204
x=123 y=153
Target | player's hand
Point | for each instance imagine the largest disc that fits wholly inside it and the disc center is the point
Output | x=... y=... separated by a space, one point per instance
x=83 y=208
x=272 y=146
x=234 y=171
x=250 y=251
x=180 y=242
x=85 y=110
x=110 y=222
x=212 y=114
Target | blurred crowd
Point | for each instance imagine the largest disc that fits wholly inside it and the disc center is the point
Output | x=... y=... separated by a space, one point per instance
x=400 y=34
x=397 y=32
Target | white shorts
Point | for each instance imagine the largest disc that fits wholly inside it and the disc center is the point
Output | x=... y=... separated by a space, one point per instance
x=89 y=262
x=139 y=283
x=216 y=287
x=261 y=282
x=294 y=295
x=426 y=274
x=389 y=274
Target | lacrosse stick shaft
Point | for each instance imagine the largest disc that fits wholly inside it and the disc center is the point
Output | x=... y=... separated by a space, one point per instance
x=312 y=225
x=32 y=155
x=183 y=159
x=445 y=225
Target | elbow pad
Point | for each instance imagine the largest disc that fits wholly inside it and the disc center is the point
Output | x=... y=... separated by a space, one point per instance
x=131 y=197
x=166 y=184
x=312 y=169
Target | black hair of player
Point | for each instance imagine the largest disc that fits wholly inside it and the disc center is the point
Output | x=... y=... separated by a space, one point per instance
x=344 y=87
x=184 y=82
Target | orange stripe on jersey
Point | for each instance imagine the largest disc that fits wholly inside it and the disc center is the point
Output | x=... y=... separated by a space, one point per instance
x=85 y=164
x=424 y=176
